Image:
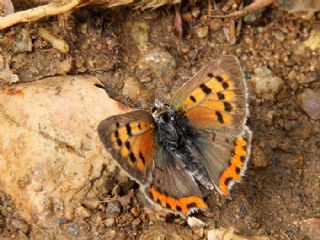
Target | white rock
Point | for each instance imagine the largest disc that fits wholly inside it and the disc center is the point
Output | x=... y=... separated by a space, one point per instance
x=194 y=222
x=49 y=146
x=265 y=84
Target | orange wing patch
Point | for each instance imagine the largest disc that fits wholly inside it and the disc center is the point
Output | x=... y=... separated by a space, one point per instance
x=214 y=88
x=130 y=140
x=213 y=102
x=181 y=205
x=233 y=172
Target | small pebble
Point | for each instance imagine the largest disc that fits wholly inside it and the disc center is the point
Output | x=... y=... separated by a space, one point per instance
x=204 y=19
x=159 y=61
x=259 y=158
x=125 y=200
x=195 y=12
x=72 y=229
x=140 y=32
x=194 y=222
x=279 y=35
x=251 y=18
x=109 y=222
x=247 y=40
x=202 y=32
x=310 y=102
x=134 y=211
x=187 y=17
x=132 y=88
x=92 y=203
x=216 y=24
x=23 y=43
x=270 y=116
x=113 y=232
x=113 y=209
x=313 y=41
x=82 y=212
x=265 y=84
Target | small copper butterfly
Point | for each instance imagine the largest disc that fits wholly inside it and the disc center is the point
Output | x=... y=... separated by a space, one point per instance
x=198 y=141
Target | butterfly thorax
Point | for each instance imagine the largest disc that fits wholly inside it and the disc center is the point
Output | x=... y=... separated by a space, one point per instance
x=179 y=139
x=171 y=129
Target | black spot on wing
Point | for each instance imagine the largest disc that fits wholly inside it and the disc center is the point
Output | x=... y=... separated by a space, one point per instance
x=116 y=133
x=119 y=142
x=205 y=89
x=220 y=95
x=225 y=85
x=128 y=128
x=227 y=106
x=132 y=157
x=142 y=158
x=210 y=75
x=219 y=117
x=219 y=78
x=128 y=145
x=193 y=99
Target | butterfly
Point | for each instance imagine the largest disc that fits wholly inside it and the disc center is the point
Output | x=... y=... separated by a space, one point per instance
x=197 y=143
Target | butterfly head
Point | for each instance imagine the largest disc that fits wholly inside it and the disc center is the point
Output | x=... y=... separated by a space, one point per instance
x=159 y=108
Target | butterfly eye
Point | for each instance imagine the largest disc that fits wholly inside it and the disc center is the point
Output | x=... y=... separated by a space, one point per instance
x=154 y=109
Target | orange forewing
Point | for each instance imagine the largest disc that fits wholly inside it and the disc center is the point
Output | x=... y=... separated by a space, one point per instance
x=130 y=140
x=215 y=98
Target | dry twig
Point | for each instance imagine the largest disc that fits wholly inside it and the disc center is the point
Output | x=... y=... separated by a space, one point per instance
x=254 y=6
x=34 y=14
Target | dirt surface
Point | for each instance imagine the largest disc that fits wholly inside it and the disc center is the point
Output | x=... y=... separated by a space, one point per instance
x=282 y=185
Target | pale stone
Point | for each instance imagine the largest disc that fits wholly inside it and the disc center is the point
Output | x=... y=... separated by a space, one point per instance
x=49 y=147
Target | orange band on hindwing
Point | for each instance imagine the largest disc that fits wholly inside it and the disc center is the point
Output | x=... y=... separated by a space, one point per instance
x=181 y=205
x=233 y=172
